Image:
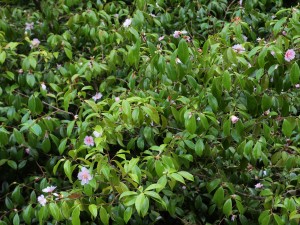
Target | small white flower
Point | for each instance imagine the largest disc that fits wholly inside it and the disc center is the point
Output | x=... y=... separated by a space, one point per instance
x=178 y=61
x=58 y=66
x=258 y=39
x=198 y=118
x=117 y=99
x=42 y=200
x=20 y=71
x=265 y=173
x=75 y=117
x=272 y=53
x=27 y=150
x=29 y=26
x=233 y=217
x=297 y=85
x=96 y=134
x=152 y=15
x=241 y=2
x=258 y=185
x=127 y=23
x=49 y=189
x=43 y=86
x=245 y=38
x=97 y=96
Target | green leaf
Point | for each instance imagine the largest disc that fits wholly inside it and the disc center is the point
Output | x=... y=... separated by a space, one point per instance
x=16 y=219
x=30 y=79
x=212 y=101
x=219 y=196
x=26 y=214
x=139 y=202
x=126 y=109
x=55 y=211
x=127 y=214
x=204 y=121
x=295 y=73
x=278 y=26
x=183 y=51
x=227 y=207
x=152 y=112
x=226 y=80
x=153 y=186
x=93 y=210
x=287 y=128
x=257 y=151
x=104 y=216
x=213 y=185
x=36 y=129
x=199 y=147
x=62 y=146
x=68 y=53
x=190 y=124
x=70 y=128
x=68 y=170
x=76 y=216
x=266 y=102
x=18 y=136
x=2 y=57
x=186 y=175
x=177 y=177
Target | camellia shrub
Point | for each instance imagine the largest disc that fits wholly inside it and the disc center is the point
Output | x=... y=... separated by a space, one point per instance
x=149 y=112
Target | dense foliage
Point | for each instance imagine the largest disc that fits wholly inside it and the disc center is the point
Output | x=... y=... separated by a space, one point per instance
x=149 y=112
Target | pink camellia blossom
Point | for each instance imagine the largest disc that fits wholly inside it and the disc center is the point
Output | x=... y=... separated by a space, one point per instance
x=234 y=119
x=97 y=96
x=89 y=141
x=42 y=200
x=35 y=43
x=297 y=85
x=43 y=86
x=117 y=99
x=49 y=189
x=289 y=55
x=258 y=185
x=127 y=23
x=84 y=176
x=238 y=48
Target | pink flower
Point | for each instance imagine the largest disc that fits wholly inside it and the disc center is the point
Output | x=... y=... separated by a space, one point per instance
x=127 y=23
x=84 y=176
x=43 y=86
x=49 y=189
x=97 y=96
x=42 y=200
x=234 y=119
x=27 y=150
x=289 y=55
x=258 y=185
x=35 y=43
x=297 y=85
x=161 y=38
x=238 y=48
x=117 y=99
x=89 y=141
x=97 y=134
x=272 y=53
x=176 y=34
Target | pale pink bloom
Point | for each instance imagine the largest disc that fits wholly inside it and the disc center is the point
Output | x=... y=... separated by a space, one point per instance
x=35 y=43
x=183 y=32
x=289 y=55
x=234 y=119
x=58 y=66
x=27 y=150
x=178 y=61
x=267 y=112
x=127 y=23
x=29 y=26
x=96 y=134
x=272 y=53
x=97 y=96
x=20 y=71
x=49 y=189
x=258 y=185
x=241 y=2
x=89 y=141
x=233 y=217
x=84 y=176
x=297 y=85
x=161 y=38
x=176 y=34
x=284 y=32
x=42 y=200
x=245 y=38
x=43 y=86
x=238 y=48
x=117 y=99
